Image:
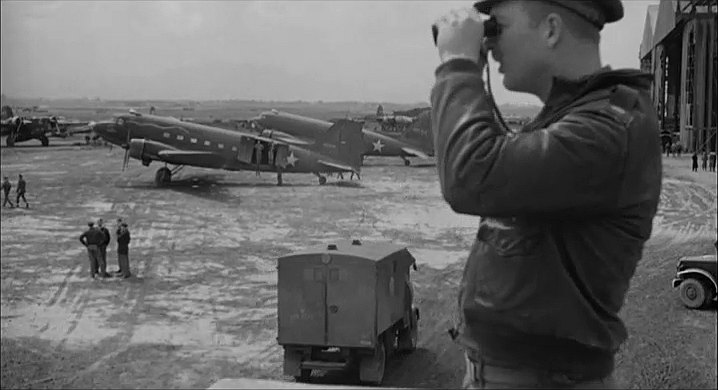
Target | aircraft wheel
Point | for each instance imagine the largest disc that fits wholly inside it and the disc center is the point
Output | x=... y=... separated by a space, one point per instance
x=407 y=163
x=10 y=140
x=322 y=180
x=44 y=141
x=163 y=176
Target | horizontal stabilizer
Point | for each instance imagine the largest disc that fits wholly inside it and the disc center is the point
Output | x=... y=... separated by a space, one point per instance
x=415 y=152
x=291 y=140
x=338 y=166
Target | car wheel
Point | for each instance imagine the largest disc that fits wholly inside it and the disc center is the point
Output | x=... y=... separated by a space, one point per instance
x=694 y=295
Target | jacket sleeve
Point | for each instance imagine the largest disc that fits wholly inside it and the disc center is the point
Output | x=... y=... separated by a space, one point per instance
x=573 y=166
x=83 y=238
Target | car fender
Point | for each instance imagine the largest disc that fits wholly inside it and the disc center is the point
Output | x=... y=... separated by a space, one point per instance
x=685 y=273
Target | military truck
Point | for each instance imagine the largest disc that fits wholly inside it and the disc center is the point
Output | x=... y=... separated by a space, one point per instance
x=346 y=305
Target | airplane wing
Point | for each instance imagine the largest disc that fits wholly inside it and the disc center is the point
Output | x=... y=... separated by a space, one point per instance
x=415 y=152
x=337 y=166
x=190 y=157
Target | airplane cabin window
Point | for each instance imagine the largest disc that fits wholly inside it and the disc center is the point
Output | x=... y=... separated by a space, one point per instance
x=206 y=143
x=166 y=135
x=234 y=148
x=193 y=140
x=221 y=146
x=180 y=137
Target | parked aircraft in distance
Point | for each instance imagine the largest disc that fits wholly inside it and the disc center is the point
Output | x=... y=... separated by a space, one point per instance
x=20 y=129
x=171 y=141
x=288 y=127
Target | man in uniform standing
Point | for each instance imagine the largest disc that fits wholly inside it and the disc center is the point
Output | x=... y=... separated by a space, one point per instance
x=6 y=186
x=20 y=192
x=103 y=247
x=566 y=203
x=91 y=239
x=123 y=242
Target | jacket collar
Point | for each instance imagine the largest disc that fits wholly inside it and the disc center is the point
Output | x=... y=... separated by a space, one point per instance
x=564 y=91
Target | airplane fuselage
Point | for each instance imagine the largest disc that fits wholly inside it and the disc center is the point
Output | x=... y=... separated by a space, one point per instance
x=184 y=143
x=375 y=144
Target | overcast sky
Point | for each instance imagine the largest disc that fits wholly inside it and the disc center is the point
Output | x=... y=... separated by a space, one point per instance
x=286 y=50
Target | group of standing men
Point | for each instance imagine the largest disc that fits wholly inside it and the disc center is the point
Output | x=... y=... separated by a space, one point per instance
x=97 y=238
x=19 y=192
x=706 y=157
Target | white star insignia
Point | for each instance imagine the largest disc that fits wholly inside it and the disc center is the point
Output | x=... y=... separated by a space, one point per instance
x=291 y=160
x=378 y=145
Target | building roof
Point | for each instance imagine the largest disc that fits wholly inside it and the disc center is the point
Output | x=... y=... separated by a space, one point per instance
x=648 y=30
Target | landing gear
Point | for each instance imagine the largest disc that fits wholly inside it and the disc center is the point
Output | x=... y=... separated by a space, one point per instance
x=322 y=179
x=44 y=141
x=406 y=161
x=10 y=140
x=163 y=176
x=279 y=178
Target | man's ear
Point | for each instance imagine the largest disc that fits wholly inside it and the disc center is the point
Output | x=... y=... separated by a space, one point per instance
x=553 y=28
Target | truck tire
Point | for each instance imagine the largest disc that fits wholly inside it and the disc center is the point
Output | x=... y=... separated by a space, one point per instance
x=694 y=294
x=409 y=336
x=304 y=375
x=371 y=368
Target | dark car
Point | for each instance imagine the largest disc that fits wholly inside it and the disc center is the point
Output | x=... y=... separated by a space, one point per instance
x=696 y=278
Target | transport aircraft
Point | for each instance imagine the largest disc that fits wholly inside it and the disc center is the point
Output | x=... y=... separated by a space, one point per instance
x=296 y=128
x=174 y=142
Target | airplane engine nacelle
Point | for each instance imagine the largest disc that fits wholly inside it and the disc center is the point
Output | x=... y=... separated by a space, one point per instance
x=146 y=150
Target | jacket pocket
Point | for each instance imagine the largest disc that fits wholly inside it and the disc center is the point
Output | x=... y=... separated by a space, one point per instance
x=510 y=237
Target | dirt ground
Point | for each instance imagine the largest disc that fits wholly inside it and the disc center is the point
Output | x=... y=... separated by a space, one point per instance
x=202 y=302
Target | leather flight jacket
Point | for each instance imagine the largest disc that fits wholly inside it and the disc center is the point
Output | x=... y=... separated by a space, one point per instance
x=566 y=205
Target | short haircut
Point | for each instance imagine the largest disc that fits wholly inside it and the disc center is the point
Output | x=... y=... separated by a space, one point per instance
x=579 y=27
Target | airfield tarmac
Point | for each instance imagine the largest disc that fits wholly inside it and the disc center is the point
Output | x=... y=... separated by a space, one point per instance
x=202 y=302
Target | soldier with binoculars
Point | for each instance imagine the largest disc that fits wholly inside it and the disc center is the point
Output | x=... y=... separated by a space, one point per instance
x=566 y=203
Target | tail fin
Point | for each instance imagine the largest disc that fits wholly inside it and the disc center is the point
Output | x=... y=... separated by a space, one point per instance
x=347 y=137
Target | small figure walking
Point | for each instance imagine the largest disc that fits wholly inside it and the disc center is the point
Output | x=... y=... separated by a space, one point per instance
x=704 y=161
x=712 y=161
x=694 y=158
x=20 y=191
x=6 y=186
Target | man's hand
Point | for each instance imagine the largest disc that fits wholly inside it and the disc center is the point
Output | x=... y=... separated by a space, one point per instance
x=460 y=35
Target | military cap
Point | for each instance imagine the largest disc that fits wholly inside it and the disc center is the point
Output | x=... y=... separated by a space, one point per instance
x=598 y=12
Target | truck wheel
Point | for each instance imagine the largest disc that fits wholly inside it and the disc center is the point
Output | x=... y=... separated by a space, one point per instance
x=371 y=368
x=694 y=294
x=304 y=375
x=409 y=336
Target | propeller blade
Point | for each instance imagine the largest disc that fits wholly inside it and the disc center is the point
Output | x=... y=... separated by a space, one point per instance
x=126 y=159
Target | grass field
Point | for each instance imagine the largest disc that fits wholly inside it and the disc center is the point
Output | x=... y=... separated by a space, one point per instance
x=202 y=303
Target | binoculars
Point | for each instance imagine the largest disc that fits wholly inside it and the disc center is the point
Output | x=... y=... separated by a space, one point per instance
x=491 y=29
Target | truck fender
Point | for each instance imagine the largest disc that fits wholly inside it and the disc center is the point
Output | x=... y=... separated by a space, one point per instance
x=687 y=272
